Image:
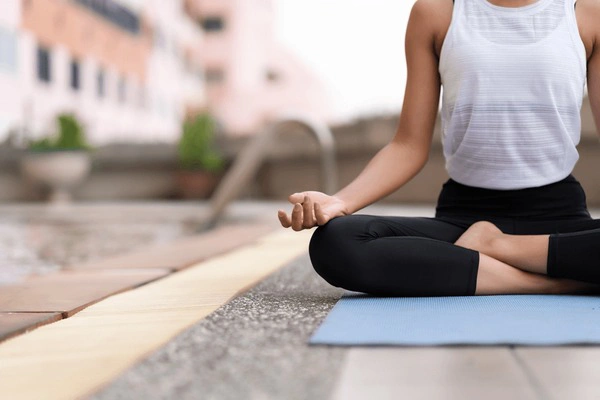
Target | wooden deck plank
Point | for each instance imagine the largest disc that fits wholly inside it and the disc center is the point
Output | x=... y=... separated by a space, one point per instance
x=432 y=373
x=68 y=292
x=183 y=252
x=75 y=356
x=12 y=324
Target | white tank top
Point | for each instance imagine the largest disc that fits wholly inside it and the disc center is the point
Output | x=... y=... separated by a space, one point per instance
x=513 y=84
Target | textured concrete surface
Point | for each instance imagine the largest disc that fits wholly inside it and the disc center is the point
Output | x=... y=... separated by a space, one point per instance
x=252 y=348
x=39 y=239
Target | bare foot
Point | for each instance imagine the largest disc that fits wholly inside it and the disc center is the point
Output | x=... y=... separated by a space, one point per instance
x=479 y=237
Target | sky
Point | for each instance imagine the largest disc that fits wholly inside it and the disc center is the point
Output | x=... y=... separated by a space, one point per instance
x=355 y=46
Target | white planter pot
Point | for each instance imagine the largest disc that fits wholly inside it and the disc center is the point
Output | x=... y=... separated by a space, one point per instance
x=58 y=170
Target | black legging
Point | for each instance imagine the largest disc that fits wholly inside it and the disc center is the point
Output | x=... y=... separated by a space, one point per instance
x=408 y=256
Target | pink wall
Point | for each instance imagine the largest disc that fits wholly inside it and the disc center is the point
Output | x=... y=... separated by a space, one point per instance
x=245 y=50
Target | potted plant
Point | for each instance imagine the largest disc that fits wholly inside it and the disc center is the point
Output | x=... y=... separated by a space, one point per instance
x=200 y=163
x=60 y=161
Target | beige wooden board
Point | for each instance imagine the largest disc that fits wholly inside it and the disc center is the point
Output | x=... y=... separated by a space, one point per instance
x=68 y=292
x=564 y=372
x=183 y=252
x=78 y=355
x=432 y=373
x=12 y=324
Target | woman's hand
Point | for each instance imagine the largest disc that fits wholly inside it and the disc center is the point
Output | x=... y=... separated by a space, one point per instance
x=312 y=209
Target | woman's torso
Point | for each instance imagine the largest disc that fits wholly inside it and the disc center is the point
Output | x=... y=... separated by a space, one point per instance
x=513 y=83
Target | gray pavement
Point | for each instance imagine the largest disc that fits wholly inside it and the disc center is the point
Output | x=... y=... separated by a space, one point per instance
x=254 y=347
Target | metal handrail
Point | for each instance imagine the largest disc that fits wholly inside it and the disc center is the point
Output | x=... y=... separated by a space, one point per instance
x=248 y=162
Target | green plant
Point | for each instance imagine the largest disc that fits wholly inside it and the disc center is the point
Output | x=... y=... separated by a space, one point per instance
x=70 y=136
x=196 y=148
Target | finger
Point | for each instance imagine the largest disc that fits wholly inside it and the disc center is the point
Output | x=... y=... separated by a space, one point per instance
x=284 y=219
x=297 y=217
x=296 y=197
x=321 y=217
x=308 y=211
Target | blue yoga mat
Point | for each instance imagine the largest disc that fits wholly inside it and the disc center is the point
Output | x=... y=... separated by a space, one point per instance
x=537 y=320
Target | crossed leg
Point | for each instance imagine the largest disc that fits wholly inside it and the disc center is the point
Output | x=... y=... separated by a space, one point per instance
x=529 y=255
x=497 y=277
x=417 y=257
x=526 y=252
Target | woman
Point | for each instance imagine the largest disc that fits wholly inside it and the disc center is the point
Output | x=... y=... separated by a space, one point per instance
x=511 y=219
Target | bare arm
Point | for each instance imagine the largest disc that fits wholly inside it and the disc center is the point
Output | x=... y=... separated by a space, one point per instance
x=401 y=159
x=407 y=153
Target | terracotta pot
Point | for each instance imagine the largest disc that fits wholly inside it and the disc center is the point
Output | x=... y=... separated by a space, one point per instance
x=196 y=184
x=60 y=171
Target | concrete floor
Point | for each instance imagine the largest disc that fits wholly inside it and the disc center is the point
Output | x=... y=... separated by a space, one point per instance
x=255 y=347
x=39 y=239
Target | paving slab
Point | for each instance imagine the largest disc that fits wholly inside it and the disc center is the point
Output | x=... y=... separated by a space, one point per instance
x=12 y=324
x=571 y=372
x=68 y=292
x=182 y=253
x=433 y=373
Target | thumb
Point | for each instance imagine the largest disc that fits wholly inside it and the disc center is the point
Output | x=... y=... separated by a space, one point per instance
x=296 y=198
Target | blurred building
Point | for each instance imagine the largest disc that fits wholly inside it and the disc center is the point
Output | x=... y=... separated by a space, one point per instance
x=128 y=74
x=10 y=95
x=132 y=69
x=250 y=77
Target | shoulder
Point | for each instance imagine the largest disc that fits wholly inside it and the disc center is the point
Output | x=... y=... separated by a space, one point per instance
x=428 y=11
x=432 y=18
x=433 y=15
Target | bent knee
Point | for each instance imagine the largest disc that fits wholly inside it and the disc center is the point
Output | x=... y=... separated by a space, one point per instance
x=333 y=252
x=321 y=249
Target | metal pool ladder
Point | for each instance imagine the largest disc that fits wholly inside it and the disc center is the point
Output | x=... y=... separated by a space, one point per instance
x=250 y=159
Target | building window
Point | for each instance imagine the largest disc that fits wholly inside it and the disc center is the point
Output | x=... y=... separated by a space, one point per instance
x=75 y=75
x=101 y=84
x=213 y=24
x=122 y=90
x=8 y=50
x=214 y=75
x=44 y=68
x=272 y=76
